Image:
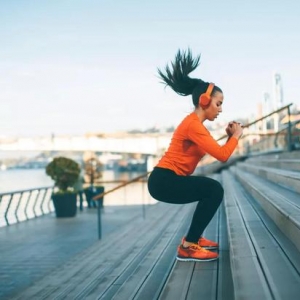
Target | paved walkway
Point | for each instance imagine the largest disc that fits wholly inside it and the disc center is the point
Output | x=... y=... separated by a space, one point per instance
x=31 y=249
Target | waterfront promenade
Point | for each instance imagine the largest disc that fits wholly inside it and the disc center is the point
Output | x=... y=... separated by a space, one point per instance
x=257 y=227
x=31 y=249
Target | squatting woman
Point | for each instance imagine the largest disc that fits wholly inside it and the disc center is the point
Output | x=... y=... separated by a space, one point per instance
x=171 y=180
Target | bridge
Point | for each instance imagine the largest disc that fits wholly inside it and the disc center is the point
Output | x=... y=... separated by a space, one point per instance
x=147 y=144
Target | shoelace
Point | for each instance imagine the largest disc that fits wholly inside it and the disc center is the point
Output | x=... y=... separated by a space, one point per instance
x=196 y=247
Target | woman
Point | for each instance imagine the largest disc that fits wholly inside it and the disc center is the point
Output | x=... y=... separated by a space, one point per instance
x=171 y=180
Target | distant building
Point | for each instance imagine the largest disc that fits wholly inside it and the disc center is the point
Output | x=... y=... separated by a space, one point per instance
x=278 y=91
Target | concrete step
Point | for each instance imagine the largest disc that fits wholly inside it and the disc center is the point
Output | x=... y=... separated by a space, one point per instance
x=264 y=263
x=281 y=204
x=289 y=179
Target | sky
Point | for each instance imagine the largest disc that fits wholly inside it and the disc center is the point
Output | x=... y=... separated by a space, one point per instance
x=78 y=66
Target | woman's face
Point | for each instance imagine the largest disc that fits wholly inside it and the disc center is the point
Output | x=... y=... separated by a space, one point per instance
x=215 y=107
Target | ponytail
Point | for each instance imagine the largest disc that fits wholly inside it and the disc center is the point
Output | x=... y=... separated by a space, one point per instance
x=176 y=76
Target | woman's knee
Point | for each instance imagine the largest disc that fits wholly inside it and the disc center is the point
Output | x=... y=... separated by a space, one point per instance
x=218 y=191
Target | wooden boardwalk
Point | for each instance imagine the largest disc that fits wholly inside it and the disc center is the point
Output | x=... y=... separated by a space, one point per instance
x=257 y=226
x=30 y=250
x=142 y=253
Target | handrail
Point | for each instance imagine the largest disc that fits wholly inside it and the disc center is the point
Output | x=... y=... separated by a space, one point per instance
x=120 y=186
x=101 y=195
x=260 y=119
x=287 y=144
x=96 y=182
x=270 y=114
x=27 y=190
x=266 y=139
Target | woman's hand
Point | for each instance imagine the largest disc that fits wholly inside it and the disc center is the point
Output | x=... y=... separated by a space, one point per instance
x=228 y=130
x=234 y=129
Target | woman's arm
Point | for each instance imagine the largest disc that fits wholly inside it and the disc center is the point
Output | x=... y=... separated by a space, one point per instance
x=201 y=136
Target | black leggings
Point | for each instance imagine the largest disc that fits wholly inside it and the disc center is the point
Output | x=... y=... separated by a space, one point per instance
x=166 y=186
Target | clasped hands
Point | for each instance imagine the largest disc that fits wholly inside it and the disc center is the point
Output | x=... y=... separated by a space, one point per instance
x=234 y=129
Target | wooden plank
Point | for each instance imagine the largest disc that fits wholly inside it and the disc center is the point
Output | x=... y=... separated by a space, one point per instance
x=92 y=258
x=178 y=283
x=191 y=280
x=289 y=248
x=280 y=163
x=277 y=202
x=225 y=283
x=245 y=266
x=128 y=284
x=154 y=284
x=282 y=276
x=203 y=284
x=121 y=262
x=288 y=179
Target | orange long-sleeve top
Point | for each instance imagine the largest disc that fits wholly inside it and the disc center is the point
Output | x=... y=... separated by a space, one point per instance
x=190 y=142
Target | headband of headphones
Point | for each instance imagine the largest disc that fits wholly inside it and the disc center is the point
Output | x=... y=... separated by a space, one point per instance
x=205 y=98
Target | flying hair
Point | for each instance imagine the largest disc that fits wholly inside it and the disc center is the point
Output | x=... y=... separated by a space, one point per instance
x=176 y=75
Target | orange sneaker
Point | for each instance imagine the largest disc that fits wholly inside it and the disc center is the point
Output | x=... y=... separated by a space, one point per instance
x=205 y=243
x=195 y=253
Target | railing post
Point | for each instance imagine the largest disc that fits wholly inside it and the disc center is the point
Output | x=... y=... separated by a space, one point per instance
x=50 y=199
x=7 y=209
x=289 y=131
x=101 y=195
x=35 y=202
x=27 y=203
x=99 y=219
x=43 y=200
x=143 y=205
x=18 y=205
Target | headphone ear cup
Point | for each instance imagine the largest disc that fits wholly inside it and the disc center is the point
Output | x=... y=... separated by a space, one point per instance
x=204 y=100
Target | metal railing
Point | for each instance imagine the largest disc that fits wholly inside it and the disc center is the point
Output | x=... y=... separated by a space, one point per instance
x=285 y=139
x=253 y=136
x=23 y=205
x=280 y=139
x=258 y=140
x=123 y=185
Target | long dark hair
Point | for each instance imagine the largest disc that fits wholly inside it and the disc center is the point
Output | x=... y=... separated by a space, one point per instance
x=176 y=76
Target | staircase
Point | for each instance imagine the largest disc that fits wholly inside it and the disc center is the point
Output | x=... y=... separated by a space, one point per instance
x=257 y=227
x=262 y=204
